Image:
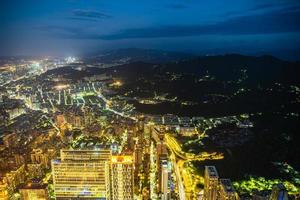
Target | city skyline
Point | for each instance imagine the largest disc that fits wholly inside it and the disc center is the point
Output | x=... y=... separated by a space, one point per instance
x=149 y=100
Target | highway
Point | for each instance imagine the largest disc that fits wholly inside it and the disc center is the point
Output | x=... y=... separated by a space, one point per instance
x=175 y=147
x=180 y=185
x=186 y=181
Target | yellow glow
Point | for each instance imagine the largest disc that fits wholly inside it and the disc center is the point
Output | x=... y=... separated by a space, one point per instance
x=61 y=87
x=121 y=159
x=117 y=84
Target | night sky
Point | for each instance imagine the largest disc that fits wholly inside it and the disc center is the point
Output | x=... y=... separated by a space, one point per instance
x=80 y=27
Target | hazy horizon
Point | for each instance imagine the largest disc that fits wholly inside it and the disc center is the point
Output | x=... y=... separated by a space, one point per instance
x=69 y=27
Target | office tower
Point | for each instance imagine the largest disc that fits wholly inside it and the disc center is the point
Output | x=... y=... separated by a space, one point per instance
x=279 y=192
x=122 y=177
x=226 y=190
x=162 y=161
x=164 y=180
x=82 y=174
x=211 y=182
x=34 y=191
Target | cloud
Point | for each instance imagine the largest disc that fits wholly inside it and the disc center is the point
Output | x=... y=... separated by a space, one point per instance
x=278 y=21
x=272 y=22
x=56 y=29
x=83 y=19
x=266 y=7
x=88 y=14
x=176 y=6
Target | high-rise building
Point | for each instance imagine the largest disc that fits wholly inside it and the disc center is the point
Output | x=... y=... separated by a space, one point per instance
x=34 y=191
x=14 y=178
x=164 y=180
x=211 y=182
x=162 y=162
x=82 y=174
x=38 y=156
x=122 y=177
x=226 y=190
x=279 y=192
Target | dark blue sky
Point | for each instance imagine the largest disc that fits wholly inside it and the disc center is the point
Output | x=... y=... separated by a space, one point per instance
x=76 y=27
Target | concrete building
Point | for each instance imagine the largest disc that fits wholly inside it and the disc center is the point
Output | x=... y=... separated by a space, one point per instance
x=122 y=177
x=164 y=180
x=82 y=174
x=35 y=171
x=10 y=180
x=226 y=190
x=34 y=191
x=211 y=183
x=279 y=192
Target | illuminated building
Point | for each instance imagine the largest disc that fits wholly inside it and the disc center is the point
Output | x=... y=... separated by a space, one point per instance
x=9 y=140
x=158 y=134
x=164 y=180
x=122 y=177
x=138 y=157
x=187 y=131
x=82 y=174
x=38 y=156
x=226 y=190
x=279 y=192
x=3 y=189
x=19 y=159
x=162 y=162
x=9 y=181
x=15 y=112
x=35 y=171
x=211 y=182
x=60 y=120
x=34 y=191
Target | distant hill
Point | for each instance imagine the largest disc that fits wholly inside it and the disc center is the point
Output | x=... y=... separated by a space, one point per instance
x=129 y=55
x=231 y=67
x=263 y=69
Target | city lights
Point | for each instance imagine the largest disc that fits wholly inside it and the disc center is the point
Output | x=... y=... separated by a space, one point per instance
x=61 y=87
x=117 y=84
x=165 y=100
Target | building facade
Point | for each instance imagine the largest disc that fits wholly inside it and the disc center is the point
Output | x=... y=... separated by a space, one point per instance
x=211 y=183
x=82 y=174
x=34 y=191
x=122 y=177
x=226 y=190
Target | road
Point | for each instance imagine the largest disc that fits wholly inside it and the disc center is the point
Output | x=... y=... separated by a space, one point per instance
x=185 y=180
x=180 y=185
x=107 y=106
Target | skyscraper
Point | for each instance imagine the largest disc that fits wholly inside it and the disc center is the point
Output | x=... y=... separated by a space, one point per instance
x=122 y=177
x=211 y=182
x=164 y=180
x=226 y=190
x=83 y=174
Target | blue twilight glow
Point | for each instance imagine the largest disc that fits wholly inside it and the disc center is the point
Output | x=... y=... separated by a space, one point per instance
x=75 y=27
